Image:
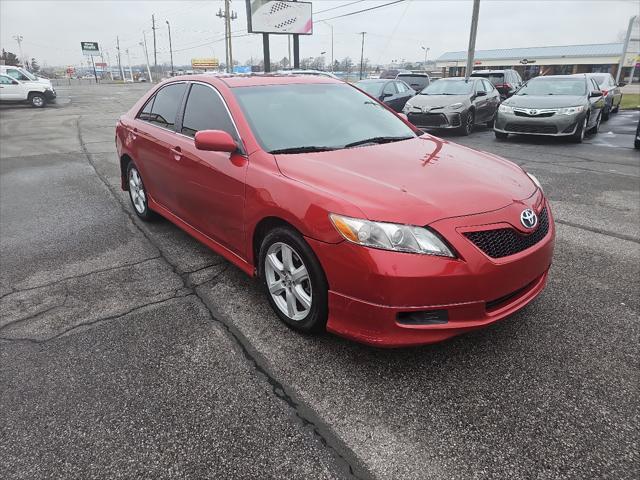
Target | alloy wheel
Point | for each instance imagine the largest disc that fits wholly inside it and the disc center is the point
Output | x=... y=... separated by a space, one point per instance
x=288 y=281
x=469 y=125
x=136 y=190
x=37 y=101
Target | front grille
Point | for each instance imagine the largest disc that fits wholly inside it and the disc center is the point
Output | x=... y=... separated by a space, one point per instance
x=503 y=242
x=531 y=128
x=428 y=119
x=539 y=115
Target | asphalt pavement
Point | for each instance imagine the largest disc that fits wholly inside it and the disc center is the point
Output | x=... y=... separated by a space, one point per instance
x=130 y=350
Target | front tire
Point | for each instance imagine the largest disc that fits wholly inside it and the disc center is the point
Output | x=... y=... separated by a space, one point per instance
x=467 y=125
x=596 y=127
x=578 y=135
x=605 y=113
x=37 y=100
x=501 y=135
x=138 y=194
x=293 y=280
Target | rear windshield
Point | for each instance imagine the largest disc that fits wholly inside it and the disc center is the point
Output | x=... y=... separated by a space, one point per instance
x=553 y=86
x=417 y=82
x=495 y=78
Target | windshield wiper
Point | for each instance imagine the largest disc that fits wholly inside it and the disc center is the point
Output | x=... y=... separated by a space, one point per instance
x=376 y=140
x=306 y=149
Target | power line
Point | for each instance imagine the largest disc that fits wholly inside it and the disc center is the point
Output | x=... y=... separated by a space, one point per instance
x=339 y=6
x=364 y=10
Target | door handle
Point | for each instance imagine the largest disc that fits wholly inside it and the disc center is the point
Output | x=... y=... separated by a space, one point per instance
x=177 y=153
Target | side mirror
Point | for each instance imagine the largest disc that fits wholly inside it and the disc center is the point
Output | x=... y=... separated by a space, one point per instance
x=481 y=94
x=215 y=141
x=622 y=84
x=595 y=94
x=15 y=82
x=385 y=95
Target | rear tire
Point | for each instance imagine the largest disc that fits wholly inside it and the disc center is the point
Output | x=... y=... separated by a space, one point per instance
x=605 y=114
x=293 y=280
x=491 y=122
x=37 y=100
x=596 y=127
x=501 y=135
x=138 y=194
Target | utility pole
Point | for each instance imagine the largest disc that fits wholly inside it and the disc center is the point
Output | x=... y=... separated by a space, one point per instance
x=289 y=46
x=146 y=56
x=155 y=51
x=426 y=51
x=119 y=58
x=227 y=15
x=627 y=39
x=109 y=66
x=472 y=39
x=129 y=62
x=170 y=48
x=18 y=38
x=362 y=55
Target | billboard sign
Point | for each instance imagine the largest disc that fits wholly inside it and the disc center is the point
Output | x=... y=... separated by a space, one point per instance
x=204 y=63
x=90 y=48
x=279 y=16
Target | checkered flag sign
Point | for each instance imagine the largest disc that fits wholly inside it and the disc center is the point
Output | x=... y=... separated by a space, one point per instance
x=280 y=16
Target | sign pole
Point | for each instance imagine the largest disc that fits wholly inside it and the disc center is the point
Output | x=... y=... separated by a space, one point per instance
x=94 y=69
x=267 y=55
x=296 y=51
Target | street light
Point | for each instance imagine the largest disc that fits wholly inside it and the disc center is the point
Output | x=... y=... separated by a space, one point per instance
x=426 y=51
x=170 y=48
x=331 y=26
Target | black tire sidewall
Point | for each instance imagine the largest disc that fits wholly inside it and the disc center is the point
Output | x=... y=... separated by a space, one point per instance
x=147 y=215
x=316 y=320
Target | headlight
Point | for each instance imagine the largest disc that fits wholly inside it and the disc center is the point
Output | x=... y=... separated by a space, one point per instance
x=505 y=109
x=390 y=236
x=571 y=110
x=536 y=181
x=456 y=105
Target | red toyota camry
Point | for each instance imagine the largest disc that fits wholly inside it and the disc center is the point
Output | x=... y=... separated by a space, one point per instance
x=354 y=221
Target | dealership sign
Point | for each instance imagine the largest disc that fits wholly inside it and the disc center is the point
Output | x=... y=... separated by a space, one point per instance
x=279 y=16
x=90 y=48
x=204 y=63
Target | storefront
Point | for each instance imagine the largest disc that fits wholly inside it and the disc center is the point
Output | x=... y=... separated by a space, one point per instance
x=534 y=61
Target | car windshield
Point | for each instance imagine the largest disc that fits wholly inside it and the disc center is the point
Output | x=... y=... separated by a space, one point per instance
x=495 y=78
x=372 y=88
x=20 y=74
x=313 y=117
x=553 y=86
x=416 y=81
x=449 y=87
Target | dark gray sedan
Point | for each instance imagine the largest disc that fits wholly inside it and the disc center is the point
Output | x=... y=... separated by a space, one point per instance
x=558 y=105
x=611 y=91
x=454 y=103
x=393 y=93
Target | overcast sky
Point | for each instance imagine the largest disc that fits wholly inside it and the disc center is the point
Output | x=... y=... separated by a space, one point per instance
x=52 y=30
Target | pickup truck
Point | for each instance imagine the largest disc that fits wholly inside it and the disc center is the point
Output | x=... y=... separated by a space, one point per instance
x=36 y=93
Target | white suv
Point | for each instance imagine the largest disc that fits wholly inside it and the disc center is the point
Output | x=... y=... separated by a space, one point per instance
x=22 y=75
x=36 y=93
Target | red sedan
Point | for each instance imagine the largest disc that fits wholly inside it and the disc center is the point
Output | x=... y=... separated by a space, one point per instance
x=354 y=221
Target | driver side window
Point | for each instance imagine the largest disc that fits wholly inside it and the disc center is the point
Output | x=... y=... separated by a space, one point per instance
x=480 y=87
x=17 y=75
x=5 y=80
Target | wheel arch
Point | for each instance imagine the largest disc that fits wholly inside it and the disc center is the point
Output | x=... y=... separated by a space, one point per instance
x=264 y=226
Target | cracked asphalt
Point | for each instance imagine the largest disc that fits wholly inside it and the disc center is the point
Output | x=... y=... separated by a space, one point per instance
x=129 y=350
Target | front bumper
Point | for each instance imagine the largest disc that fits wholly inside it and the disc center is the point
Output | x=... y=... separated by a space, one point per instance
x=436 y=120
x=50 y=95
x=554 y=126
x=372 y=291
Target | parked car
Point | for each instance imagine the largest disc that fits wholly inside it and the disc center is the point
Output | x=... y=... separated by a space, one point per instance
x=393 y=93
x=558 y=105
x=298 y=71
x=22 y=75
x=636 y=142
x=353 y=220
x=392 y=74
x=417 y=81
x=507 y=81
x=35 y=93
x=454 y=103
x=611 y=91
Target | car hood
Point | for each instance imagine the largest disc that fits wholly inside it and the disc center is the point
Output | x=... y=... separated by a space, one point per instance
x=416 y=181
x=546 y=101
x=437 y=101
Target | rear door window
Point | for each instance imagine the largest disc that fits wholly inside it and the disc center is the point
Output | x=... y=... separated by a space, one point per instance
x=389 y=89
x=487 y=85
x=205 y=110
x=165 y=106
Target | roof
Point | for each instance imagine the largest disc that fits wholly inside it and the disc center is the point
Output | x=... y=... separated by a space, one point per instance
x=593 y=50
x=251 y=80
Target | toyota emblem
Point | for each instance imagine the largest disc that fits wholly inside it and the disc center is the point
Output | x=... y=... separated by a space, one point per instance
x=528 y=218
